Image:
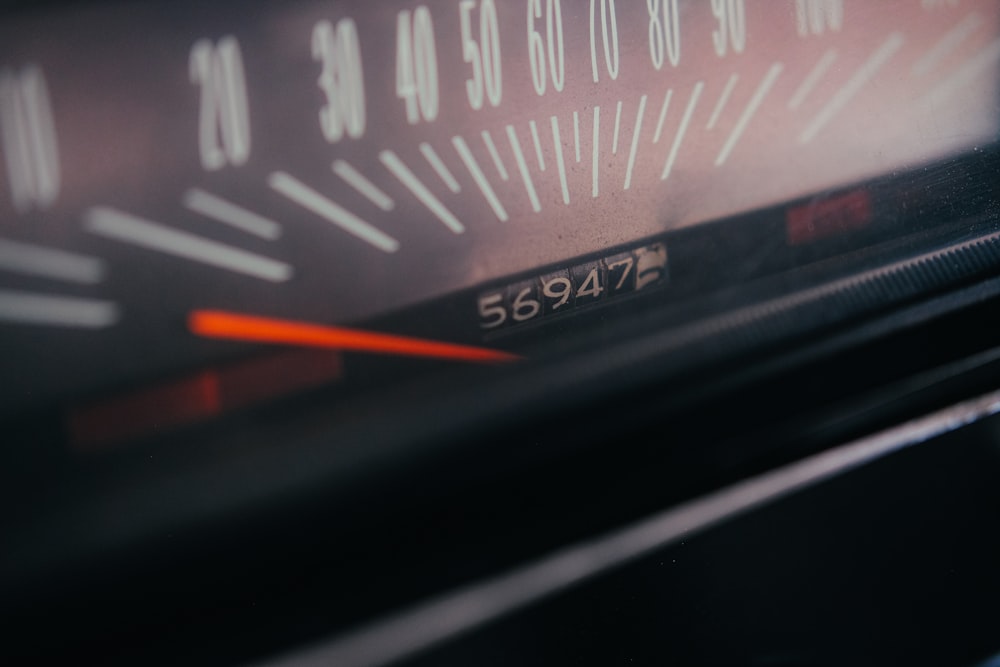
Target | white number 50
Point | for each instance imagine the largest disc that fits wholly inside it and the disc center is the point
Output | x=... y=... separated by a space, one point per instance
x=484 y=56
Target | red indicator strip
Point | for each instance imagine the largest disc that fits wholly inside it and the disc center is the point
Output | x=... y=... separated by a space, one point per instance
x=829 y=217
x=201 y=396
x=233 y=326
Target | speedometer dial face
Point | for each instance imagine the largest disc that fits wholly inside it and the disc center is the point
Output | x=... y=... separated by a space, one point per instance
x=183 y=180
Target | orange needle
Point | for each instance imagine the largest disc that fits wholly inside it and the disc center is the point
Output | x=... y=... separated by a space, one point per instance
x=233 y=326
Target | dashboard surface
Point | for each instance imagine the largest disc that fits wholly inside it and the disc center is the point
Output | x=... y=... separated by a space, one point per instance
x=316 y=314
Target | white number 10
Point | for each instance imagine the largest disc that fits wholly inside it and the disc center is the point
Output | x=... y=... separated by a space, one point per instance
x=27 y=131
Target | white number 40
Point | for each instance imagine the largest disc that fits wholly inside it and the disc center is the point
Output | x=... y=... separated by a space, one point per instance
x=416 y=64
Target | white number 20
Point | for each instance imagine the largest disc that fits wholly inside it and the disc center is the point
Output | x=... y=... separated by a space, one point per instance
x=224 y=119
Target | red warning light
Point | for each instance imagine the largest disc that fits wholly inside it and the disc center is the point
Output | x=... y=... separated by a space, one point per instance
x=824 y=218
x=201 y=396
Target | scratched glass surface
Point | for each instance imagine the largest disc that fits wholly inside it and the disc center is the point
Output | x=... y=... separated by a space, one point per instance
x=333 y=161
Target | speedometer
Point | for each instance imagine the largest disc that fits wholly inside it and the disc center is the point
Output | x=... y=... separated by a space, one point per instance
x=300 y=174
x=299 y=289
